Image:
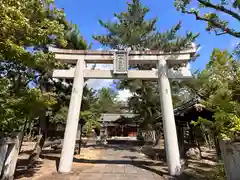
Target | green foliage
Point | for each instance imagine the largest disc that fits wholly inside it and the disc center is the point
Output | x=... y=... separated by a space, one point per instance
x=98 y=102
x=144 y=101
x=30 y=24
x=217 y=15
x=218 y=173
x=60 y=116
x=219 y=85
x=27 y=29
x=92 y=121
x=15 y=108
x=106 y=101
x=74 y=38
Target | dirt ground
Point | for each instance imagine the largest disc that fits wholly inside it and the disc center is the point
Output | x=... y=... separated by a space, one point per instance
x=47 y=164
x=194 y=169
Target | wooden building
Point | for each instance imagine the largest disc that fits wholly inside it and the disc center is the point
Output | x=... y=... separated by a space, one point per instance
x=184 y=115
x=119 y=125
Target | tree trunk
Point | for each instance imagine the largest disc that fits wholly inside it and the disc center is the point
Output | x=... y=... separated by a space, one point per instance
x=217 y=147
x=211 y=140
x=191 y=135
x=181 y=140
x=199 y=147
x=205 y=139
x=154 y=136
x=23 y=133
x=122 y=129
x=38 y=149
x=30 y=126
x=158 y=141
x=41 y=138
x=80 y=140
x=197 y=139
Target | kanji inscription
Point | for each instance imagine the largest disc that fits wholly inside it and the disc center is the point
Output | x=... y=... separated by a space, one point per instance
x=121 y=62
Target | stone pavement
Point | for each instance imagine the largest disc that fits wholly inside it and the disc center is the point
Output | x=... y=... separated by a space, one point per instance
x=122 y=163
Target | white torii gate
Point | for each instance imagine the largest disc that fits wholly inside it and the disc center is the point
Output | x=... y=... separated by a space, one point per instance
x=121 y=60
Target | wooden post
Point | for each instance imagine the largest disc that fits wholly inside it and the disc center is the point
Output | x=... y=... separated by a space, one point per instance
x=66 y=159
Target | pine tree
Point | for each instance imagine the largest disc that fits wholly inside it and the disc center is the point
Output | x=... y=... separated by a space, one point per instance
x=132 y=30
x=73 y=38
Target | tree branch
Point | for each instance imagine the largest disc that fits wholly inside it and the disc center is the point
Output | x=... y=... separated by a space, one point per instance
x=216 y=24
x=219 y=34
x=220 y=8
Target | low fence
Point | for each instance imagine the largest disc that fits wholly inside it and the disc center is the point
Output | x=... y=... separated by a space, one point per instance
x=149 y=135
x=9 y=150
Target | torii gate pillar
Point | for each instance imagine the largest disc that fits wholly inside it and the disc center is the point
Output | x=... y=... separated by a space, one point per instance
x=169 y=126
x=66 y=159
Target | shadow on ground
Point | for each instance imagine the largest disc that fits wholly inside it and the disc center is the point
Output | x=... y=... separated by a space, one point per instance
x=23 y=169
x=143 y=164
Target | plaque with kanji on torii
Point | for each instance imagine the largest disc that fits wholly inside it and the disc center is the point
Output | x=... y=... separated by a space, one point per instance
x=120 y=65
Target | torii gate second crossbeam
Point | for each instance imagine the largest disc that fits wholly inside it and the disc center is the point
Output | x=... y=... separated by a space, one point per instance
x=121 y=60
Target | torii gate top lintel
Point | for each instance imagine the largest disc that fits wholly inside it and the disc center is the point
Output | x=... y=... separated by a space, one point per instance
x=111 y=52
x=121 y=60
x=135 y=57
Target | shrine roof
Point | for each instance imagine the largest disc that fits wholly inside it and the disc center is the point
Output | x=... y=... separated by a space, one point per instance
x=187 y=107
x=108 y=117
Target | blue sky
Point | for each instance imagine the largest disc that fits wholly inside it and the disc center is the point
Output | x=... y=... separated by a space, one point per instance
x=85 y=13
